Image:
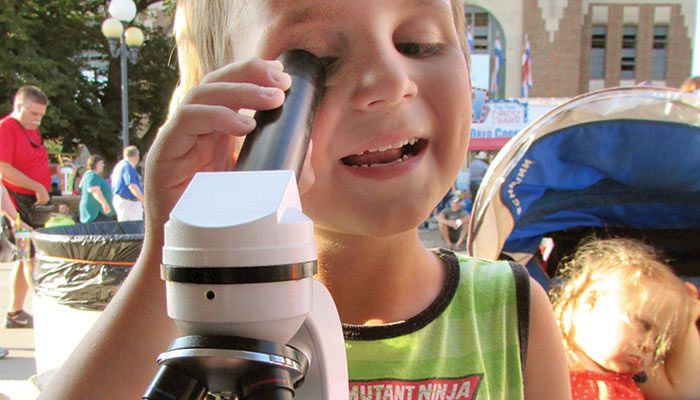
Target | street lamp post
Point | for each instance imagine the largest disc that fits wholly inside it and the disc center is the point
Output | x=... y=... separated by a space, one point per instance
x=123 y=43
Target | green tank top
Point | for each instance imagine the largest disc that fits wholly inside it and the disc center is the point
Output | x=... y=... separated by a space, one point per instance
x=468 y=345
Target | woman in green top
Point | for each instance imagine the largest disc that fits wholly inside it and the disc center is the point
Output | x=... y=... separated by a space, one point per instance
x=96 y=200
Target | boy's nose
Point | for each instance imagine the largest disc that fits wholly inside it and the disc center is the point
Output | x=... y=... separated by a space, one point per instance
x=384 y=79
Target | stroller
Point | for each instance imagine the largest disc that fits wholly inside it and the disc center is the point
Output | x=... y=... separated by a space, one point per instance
x=621 y=162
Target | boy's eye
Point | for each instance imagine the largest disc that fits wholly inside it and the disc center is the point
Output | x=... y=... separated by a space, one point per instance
x=329 y=63
x=418 y=50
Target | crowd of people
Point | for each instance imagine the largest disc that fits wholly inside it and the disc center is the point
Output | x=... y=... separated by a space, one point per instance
x=27 y=185
x=106 y=198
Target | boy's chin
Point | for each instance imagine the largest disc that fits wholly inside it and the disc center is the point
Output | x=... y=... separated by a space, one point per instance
x=371 y=229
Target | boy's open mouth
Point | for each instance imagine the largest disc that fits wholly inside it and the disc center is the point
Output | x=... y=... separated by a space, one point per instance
x=384 y=156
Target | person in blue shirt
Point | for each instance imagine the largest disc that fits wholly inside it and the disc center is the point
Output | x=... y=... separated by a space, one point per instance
x=127 y=187
x=96 y=200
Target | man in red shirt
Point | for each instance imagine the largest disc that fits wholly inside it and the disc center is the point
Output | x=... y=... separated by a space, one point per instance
x=24 y=165
x=24 y=161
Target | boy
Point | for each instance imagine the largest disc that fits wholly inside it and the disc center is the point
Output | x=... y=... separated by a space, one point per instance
x=397 y=77
x=62 y=217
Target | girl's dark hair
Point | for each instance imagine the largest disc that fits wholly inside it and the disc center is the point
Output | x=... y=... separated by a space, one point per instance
x=92 y=161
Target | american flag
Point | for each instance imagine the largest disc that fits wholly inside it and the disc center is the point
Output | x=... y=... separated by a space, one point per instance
x=470 y=38
x=526 y=72
x=498 y=61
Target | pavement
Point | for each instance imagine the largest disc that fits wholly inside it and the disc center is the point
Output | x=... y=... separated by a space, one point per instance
x=18 y=371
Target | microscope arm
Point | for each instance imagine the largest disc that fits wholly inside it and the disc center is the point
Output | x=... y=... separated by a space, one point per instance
x=321 y=339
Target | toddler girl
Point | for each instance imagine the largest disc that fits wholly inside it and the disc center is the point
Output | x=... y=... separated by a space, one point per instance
x=623 y=314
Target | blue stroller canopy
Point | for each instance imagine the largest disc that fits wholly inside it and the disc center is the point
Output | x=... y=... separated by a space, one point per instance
x=622 y=173
x=623 y=158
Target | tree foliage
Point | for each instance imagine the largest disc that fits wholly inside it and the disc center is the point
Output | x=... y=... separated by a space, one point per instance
x=58 y=46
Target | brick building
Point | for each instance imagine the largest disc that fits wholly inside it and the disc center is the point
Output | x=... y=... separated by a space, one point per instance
x=581 y=45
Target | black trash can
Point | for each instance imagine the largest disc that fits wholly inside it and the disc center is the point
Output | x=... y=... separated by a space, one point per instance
x=77 y=271
x=83 y=265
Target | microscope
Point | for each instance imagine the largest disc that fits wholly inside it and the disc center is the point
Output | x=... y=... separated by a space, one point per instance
x=238 y=261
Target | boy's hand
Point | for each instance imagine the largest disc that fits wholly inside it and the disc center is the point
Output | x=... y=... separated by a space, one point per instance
x=201 y=135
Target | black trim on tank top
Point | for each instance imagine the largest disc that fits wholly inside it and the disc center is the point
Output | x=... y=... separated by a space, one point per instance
x=419 y=321
x=522 y=300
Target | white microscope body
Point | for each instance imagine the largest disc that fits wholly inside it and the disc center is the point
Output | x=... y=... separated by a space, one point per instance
x=238 y=260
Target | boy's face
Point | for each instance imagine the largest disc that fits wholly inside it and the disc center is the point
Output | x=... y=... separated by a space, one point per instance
x=392 y=128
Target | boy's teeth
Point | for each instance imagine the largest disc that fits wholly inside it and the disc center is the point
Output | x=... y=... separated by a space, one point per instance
x=391 y=146
x=403 y=158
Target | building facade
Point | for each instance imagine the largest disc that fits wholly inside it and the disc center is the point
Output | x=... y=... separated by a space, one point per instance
x=577 y=46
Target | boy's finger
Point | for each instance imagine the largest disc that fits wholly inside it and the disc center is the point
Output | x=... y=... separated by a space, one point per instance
x=236 y=96
x=211 y=152
x=256 y=70
x=192 y=120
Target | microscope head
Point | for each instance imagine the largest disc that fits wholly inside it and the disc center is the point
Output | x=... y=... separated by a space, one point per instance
x=239 y=256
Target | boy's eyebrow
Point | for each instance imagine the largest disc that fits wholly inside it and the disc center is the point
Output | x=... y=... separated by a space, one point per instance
x=302 y=16
x=430 y=3
x=312 y=12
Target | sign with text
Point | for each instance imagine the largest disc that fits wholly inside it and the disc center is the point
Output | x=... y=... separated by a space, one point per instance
x=504 y=118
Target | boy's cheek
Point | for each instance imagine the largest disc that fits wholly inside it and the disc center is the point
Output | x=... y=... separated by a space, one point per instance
x=307 y=178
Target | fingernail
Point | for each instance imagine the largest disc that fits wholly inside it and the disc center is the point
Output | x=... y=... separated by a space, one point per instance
x=246 y=120
x=280 y=77
x=270 y=92
x=276 y=64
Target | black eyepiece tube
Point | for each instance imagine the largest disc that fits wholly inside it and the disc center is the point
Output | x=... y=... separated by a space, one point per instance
x=281 y=137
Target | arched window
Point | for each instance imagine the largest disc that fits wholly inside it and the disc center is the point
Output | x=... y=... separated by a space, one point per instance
x=487 y=43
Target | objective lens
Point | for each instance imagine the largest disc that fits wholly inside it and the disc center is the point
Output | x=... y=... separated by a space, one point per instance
x=268 y=384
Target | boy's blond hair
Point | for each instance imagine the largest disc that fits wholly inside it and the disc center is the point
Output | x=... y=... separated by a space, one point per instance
x=634 y=264
x=203 y=36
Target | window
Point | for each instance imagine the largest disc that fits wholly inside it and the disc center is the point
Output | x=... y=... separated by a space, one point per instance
x=479 y=22
x=598 y=39
x=485 y=28
x=659 y=53
x=629 y=52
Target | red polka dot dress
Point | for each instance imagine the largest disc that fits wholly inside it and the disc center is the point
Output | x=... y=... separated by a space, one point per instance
x=589 y=385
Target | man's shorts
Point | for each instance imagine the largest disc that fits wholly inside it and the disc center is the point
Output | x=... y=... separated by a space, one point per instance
x=127 y=210
x=25 y=204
